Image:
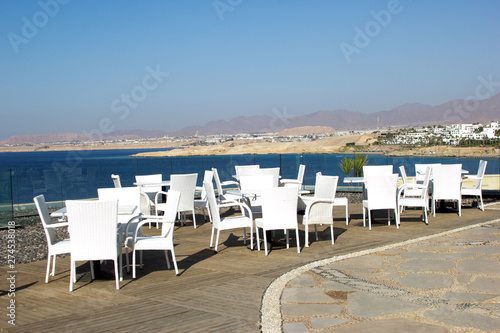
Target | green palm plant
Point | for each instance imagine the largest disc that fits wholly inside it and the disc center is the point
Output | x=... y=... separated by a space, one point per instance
x=359 y=161
x=346 y=166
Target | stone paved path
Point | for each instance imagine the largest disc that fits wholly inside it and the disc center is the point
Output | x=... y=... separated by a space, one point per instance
x=449 y=283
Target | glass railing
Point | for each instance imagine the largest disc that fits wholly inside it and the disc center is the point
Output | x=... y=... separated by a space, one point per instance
x=63 y=181
x=6 y=203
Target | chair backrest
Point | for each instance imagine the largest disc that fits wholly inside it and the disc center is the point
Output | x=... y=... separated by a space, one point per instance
x=145 y=179
x=369 y=170
x=447 y=180
x=92 y=226
x=43 y=212
x=186 y=185
x=208 y=176
x=424 y=194
x=420 y=170
x=124 y=195
x=256 y=182
x=382 y=191
x=402 y=171
x=217 y=181
x=246 y=170
x=275 y=172
x=170 y=214
x=300 y=175
x=212 y=203
x=480 y=173
x=279 y=207
x=326 y=186
x=116 y=180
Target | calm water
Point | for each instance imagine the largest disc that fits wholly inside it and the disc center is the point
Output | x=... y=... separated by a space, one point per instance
x=78 y=174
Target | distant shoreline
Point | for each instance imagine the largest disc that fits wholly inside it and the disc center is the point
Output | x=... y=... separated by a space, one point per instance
x=334 y=145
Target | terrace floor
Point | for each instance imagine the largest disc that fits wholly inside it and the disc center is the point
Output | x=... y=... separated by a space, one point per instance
x=214 y=292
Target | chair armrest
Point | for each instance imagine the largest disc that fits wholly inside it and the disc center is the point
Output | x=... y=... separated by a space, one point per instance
x=290 y=181
x=311 y=203
x=243 y=207
x=57 y=225
x=137 y=217
x=229 y=182
x=158 y=194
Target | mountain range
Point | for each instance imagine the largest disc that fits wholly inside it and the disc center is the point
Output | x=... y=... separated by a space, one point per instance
x=411 y=115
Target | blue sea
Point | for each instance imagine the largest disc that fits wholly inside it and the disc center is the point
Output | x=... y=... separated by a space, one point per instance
x=63 y=175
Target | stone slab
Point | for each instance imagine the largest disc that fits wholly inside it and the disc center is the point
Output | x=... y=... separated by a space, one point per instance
x=290 y=310
x=305 y=295
x=464 y=319
x=303 y=280
x=367 y=305
x=486 y=284
x=426 y=281
x=295 y=328
x=479 y=266
x=426 y=265
x=396 y=325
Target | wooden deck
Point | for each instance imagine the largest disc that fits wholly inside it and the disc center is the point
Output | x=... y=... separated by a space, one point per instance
x=214 y=292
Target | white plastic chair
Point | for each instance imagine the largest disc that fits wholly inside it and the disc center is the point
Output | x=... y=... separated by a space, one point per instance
x=94 y=235
x=420 y=200
x=381 y=194
x=116 y=180
x=298 y=181
x=55 y=246
x=163 y=242
x=279 y=212
x=186 y=185
x=476 y=191
x=203 y=201
x=447 y=181
x=232 y=222
x=319 y=208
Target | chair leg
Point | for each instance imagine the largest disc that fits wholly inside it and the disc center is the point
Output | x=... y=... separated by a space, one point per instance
x=72 y=275
x=364 y=217
x=140 y=259
x=212 y=237
x=244 y=236
x=117 y=276
x=265 y=240
x=133 y=263
x=369 y=220
x=251 y=238
x=307 y=235
x=346 y=214
x=287 y=239
x=424 y=211
x=174 y=261
x=166 y=258
x=333 y=237
x=92 y=273
x=127 y=259
x=481 y=199
x=54 y=265
x=194 y=219
x=48 y=269
x=257 y=236
x=298 y=241
x=316 y=232
x=217 y=239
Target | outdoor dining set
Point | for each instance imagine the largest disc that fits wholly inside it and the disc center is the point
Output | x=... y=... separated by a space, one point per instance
x=258 y=198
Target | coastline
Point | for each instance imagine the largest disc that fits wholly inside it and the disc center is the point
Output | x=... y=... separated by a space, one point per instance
x=328 y=145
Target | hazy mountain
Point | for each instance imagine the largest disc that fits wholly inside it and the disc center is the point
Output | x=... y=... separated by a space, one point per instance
x=414 y=114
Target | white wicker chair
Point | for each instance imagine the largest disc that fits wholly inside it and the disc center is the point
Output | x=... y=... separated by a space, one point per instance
x=116 y=180
x=203 y=201
x=298 y=181
x=163 y=242
x=126 y=196
x=186 y=185
x=55 y=246
x=319 y=208
x=381 y=194
x=420 y=200
x=279 y=212
x=476 y=191
x=94 y=235
x=256 y=183
x=446 y=184
x=232 y=222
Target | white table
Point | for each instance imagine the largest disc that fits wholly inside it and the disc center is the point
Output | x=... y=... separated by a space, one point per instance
x=122 y=210
x=163 y=183
x=354 y=180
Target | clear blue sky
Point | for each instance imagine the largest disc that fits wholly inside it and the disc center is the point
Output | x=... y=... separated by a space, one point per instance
x=75 y=66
